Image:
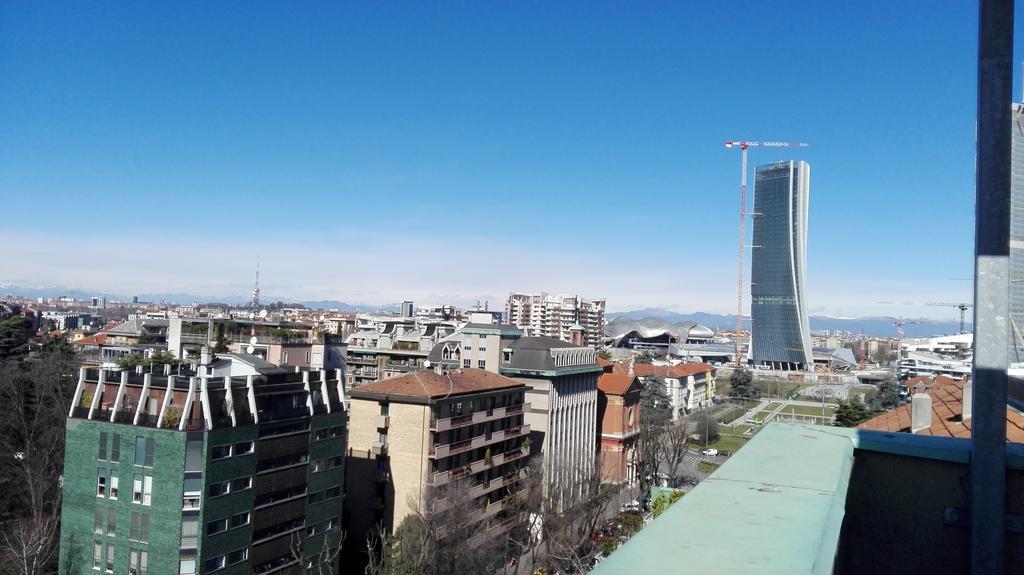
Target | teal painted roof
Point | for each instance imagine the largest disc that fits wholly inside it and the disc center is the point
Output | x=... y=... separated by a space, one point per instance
x=774 y=508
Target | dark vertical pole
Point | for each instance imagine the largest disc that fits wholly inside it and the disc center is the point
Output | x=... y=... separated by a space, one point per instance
x=991 y=287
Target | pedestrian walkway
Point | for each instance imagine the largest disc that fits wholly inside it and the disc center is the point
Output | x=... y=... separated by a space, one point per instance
x=751 y=413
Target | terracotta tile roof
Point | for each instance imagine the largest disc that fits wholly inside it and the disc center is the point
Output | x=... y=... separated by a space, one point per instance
x=615 y=383
x=94 y=339
x=947 y=409
x=604 y=362
x=430 y=384
x=678 y=370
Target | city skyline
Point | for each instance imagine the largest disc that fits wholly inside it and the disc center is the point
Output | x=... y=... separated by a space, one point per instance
x=195 y=134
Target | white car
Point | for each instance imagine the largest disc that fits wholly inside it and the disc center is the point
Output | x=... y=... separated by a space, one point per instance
x=710 y=452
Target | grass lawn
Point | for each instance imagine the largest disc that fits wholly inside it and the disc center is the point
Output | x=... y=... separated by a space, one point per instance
x=722 y=387
x=706 y=468
x=807 y=410
x=727 y=443
x=762 y=415
x=777 y=389
x=773 y=406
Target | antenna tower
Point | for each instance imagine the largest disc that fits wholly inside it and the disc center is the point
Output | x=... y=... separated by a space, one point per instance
x=256 y=289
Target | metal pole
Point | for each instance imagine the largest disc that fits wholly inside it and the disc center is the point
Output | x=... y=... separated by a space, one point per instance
x=991 y=287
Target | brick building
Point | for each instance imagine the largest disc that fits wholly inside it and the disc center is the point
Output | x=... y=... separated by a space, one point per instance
x=618 y=423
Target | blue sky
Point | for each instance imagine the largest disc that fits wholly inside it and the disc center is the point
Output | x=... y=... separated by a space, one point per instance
x=458 y=150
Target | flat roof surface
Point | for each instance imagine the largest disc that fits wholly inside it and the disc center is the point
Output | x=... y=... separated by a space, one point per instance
x=775 y=508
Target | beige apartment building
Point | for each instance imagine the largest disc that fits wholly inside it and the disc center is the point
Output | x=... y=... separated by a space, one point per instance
x=424 y=430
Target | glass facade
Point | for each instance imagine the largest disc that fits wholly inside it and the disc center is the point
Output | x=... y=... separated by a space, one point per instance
x=1017 y=238
x=780 y=332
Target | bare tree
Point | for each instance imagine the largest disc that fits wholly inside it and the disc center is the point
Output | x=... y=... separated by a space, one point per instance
x=36 y=395
x=648 y=455
x=323 y=561
x=442 y=536
x=674 y=447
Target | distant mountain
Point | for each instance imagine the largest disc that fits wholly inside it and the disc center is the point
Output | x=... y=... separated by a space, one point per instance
x=348 y=307
x=31 y=291
x=876 y=326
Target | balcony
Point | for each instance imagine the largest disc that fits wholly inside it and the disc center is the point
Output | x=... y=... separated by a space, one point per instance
x=379 y=448
x=440 y=451
x=481 y=416
x=383 y=476
x=441 y=477
x=383 y=421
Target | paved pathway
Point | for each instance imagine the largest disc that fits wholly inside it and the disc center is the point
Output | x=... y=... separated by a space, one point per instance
x=751 y=413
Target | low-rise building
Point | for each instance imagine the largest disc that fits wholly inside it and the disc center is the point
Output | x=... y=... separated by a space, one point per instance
x=690 y=386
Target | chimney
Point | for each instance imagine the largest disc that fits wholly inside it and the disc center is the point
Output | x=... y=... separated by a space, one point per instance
x=920 y=412
x=967 y=399
x=204 y=356
x=631 y=359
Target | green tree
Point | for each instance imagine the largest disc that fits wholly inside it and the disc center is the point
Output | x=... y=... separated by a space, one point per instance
x=604 y=354
x=655 y=406
x=15 y=332
x=159 y=358
x=851 y=413
x=221 y=343
x=742 y=385
x=706 y=425
x=644 y=358
x=886 y=397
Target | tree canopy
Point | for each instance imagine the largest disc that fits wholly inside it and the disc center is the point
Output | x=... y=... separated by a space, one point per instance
x=742 y=385
x=851 y=413
x=655 y=406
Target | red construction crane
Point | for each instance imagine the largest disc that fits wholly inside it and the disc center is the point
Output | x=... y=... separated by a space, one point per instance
x=743 y=145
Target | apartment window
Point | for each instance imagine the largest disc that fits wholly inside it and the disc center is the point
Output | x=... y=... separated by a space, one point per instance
x=112 y=522
x=136 y=488
x=220 y=452
x=194 y=458
x=241 y=483
x=192 y=494
x=139 y=528
x=506 y=356
x=189 y=532
x=382 y=438
x=97 y=555
x=103 y=446
x=144 y=449
x=314 y=529
x=138 y=562
x=98 y=526
x=307 y=357
x=480 y=363
x=244 y=448
x=333 y=523
x=218 y=489
x=385 y=408
x=238 y=556
x=115 y=448
x=240 y=520
x=318 y=465
x=113 y=484
x=187 y=566
x=147 y=490
x=101 y=483
x=467 y=363
x=218 y=526
x=214 y=564
x=285 y=357
x=110 y=558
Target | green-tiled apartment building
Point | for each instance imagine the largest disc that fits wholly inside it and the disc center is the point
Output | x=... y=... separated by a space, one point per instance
x=237 y=467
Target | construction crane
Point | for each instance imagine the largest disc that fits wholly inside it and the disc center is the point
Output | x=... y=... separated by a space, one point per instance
x=961 y=306
x=743 y=145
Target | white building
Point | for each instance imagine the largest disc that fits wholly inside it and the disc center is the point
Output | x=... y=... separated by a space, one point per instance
x=541 y=314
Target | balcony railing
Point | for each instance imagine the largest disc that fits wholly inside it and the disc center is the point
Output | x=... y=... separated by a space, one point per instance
x=482 y=416
x=441 y=477
x=440 y=451
x=383 y=421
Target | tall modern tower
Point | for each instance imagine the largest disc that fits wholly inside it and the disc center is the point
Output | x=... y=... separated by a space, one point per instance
x=780 y=331
x=1017 y=237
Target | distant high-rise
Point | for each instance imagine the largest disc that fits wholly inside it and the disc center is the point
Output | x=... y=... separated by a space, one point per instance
x=781 y=335
x=540 y=314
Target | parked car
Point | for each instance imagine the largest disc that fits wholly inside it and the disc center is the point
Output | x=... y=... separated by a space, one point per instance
x=710 y=452
x=725 y=453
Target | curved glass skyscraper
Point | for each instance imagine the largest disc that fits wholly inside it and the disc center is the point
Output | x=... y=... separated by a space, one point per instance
x=780 y=331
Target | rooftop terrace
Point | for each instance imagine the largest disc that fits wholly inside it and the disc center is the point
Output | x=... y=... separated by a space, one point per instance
x=824 y=500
